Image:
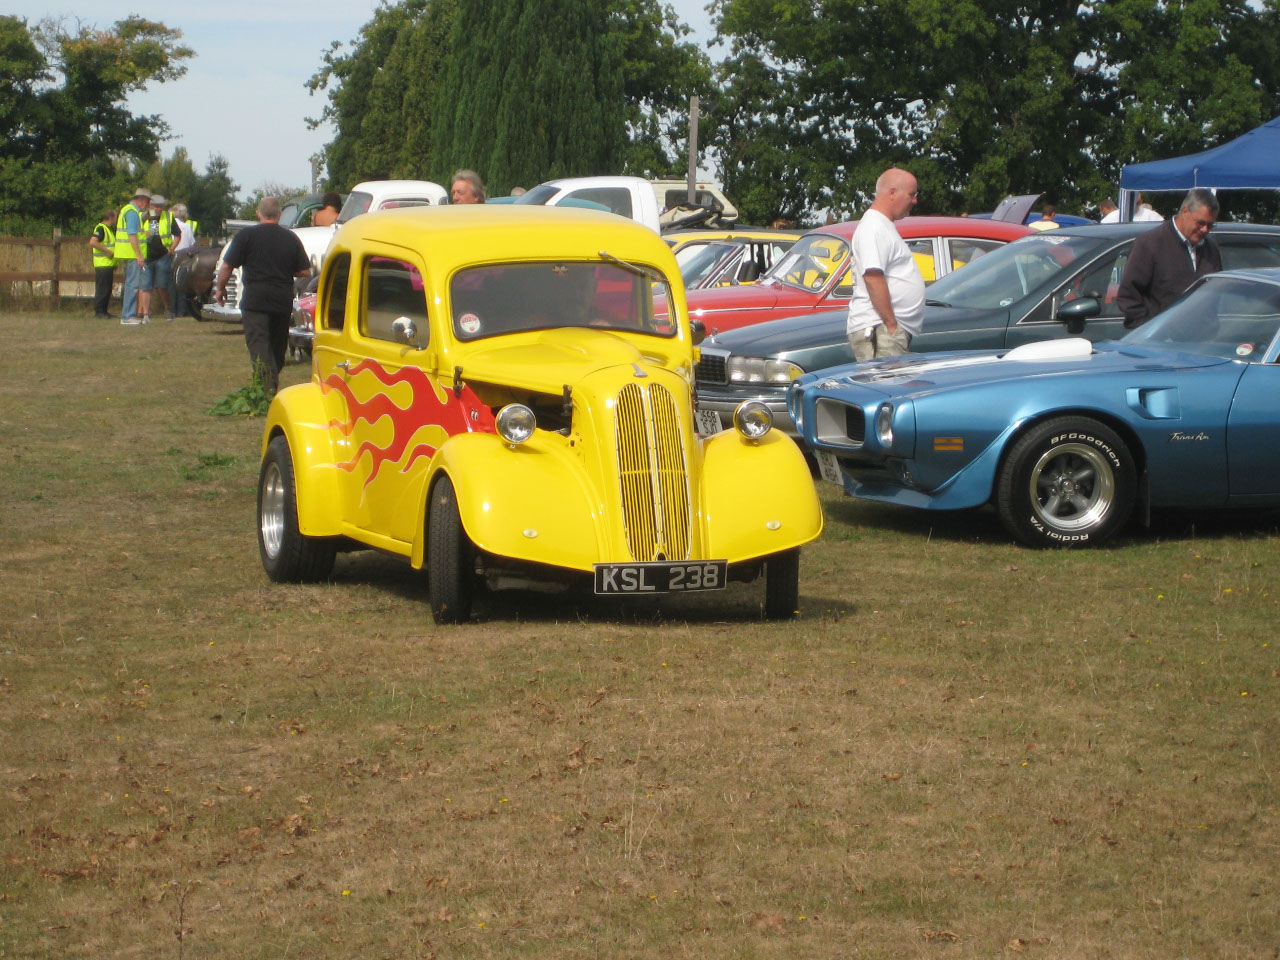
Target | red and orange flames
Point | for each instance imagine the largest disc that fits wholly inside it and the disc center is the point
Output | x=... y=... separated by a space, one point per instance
x=454 y=414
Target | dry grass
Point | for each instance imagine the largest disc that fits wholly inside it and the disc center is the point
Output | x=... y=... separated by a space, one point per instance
x=963 y=749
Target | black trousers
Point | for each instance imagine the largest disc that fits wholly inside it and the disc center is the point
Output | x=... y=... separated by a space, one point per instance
x=266 y=333
x=103 y=279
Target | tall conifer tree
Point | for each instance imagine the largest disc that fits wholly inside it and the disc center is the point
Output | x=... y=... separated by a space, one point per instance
x=533 y=91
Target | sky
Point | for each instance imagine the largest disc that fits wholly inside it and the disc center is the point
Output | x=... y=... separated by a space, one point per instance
x=244 y=93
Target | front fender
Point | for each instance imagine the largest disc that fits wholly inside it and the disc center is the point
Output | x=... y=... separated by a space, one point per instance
x=532 y=502
x=758 y=497
x=298 y=412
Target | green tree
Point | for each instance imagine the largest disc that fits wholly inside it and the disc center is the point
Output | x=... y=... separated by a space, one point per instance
x=433 y=85
x=214 y=198
x=367 y=104
x=65 y=135
x=660 y=72
x=983 y=99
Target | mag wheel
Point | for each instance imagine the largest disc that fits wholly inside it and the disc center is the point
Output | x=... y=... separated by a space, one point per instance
x=1069 y=482
x=287 y=555
x=450 y=558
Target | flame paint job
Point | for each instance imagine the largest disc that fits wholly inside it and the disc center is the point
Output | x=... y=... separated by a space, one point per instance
x=431 y=405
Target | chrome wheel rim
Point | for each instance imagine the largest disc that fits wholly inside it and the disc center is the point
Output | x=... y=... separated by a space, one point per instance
x=271 y=512
x=1072 y=487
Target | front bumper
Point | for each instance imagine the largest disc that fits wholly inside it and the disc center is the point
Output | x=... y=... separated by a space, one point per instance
x=723 y=402
x=226 y=313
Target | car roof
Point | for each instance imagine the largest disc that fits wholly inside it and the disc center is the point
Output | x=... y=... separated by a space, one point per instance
x=1122 y=231
x=507 y=232
x=975 y=227
x=1268 y=275
x=733 y=233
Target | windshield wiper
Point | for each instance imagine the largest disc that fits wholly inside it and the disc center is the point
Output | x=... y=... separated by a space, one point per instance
x=635 y=268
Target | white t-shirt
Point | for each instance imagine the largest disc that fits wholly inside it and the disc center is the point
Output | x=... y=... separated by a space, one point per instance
x=877 y=246
x=188 y=239
x=1145 y=214
x=1112 y=217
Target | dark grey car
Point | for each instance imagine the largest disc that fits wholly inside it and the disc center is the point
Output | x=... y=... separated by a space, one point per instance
x=1056 y=283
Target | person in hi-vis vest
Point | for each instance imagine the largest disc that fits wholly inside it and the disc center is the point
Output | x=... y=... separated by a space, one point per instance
x=103 y=244
x=130 y=252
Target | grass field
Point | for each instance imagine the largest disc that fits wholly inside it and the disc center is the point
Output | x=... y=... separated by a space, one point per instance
x=961 y=749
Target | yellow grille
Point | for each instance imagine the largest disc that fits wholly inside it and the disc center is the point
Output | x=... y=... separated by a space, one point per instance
x=655 y=487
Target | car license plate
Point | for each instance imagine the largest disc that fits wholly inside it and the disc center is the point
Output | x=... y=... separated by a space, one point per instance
x=828 y=468
x=708 y=422
x=661 y=577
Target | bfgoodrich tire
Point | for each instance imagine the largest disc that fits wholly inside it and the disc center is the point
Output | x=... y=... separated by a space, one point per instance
x=287 y=555
x=1068 y=482
x=782 y=585
x=450 y=558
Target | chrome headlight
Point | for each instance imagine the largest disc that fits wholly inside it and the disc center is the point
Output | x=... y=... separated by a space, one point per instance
x=516 y=423
x=759 y=370
x=884 y=425
x=753 y=419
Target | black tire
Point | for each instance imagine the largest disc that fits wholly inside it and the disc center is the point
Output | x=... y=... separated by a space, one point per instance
x=287 y=555
x=450 y=558
x=1068 y=482
x=782 y=585
x=197 y=308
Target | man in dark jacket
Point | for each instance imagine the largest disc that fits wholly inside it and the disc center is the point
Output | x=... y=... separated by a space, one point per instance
x=1167 y=258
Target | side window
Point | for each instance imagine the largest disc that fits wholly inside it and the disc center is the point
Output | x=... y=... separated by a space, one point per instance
x=1239 y=253
x=966 y=250
x=843 y=290
x=392 y=289
x=335 y=294
x=616 y=199
x=1100 y=280
x=922 y=250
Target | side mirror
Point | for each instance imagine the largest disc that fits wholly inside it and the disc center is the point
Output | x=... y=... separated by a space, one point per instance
x=406 y=331
x=1074 y=313
x=697 y=331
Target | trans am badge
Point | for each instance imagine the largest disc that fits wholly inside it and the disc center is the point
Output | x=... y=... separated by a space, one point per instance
x=1179 y=435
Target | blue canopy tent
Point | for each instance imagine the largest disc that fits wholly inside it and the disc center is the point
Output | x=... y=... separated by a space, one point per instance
x=1249 y=162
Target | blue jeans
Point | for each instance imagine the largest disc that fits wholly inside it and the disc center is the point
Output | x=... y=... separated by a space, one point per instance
x=132 y=276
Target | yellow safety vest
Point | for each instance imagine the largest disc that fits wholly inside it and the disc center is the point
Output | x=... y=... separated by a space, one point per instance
x=193 y=224
x=124 y=249
x=101 y=259
x=165 y=223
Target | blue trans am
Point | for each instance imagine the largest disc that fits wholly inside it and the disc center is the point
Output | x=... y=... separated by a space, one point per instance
x=1067 y=437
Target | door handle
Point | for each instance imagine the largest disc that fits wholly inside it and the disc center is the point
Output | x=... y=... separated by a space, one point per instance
x=344 y=366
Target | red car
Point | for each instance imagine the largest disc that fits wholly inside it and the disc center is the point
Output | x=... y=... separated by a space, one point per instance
x=814 y=274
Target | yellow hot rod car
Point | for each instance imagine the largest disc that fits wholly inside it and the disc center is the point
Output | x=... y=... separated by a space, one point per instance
x=492 y=392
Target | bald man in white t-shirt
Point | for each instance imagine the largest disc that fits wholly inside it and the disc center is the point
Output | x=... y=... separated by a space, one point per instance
x=887 y=308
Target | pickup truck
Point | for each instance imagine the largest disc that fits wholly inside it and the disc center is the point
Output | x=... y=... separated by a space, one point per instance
x=658 y=204
x=364 y=197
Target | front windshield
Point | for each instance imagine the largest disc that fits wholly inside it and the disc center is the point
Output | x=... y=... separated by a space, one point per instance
x=538 y=195
x=704 y=258
x=811 y=263
x=1225 y=317
x=289 y=215
x=1002 y=277
x=501 y=299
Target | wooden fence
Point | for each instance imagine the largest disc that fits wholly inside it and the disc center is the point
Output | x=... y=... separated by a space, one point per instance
x=54 y=267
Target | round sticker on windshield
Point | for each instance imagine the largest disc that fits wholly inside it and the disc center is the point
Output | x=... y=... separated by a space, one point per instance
x=1244 y=349
x=1006 y=301
x=469 y=323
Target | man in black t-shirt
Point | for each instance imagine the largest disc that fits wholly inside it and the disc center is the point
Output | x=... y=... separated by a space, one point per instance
x=270 y=257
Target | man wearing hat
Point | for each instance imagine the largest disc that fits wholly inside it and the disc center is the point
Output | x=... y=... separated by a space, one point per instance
x=129 y=252
x=157 y=275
